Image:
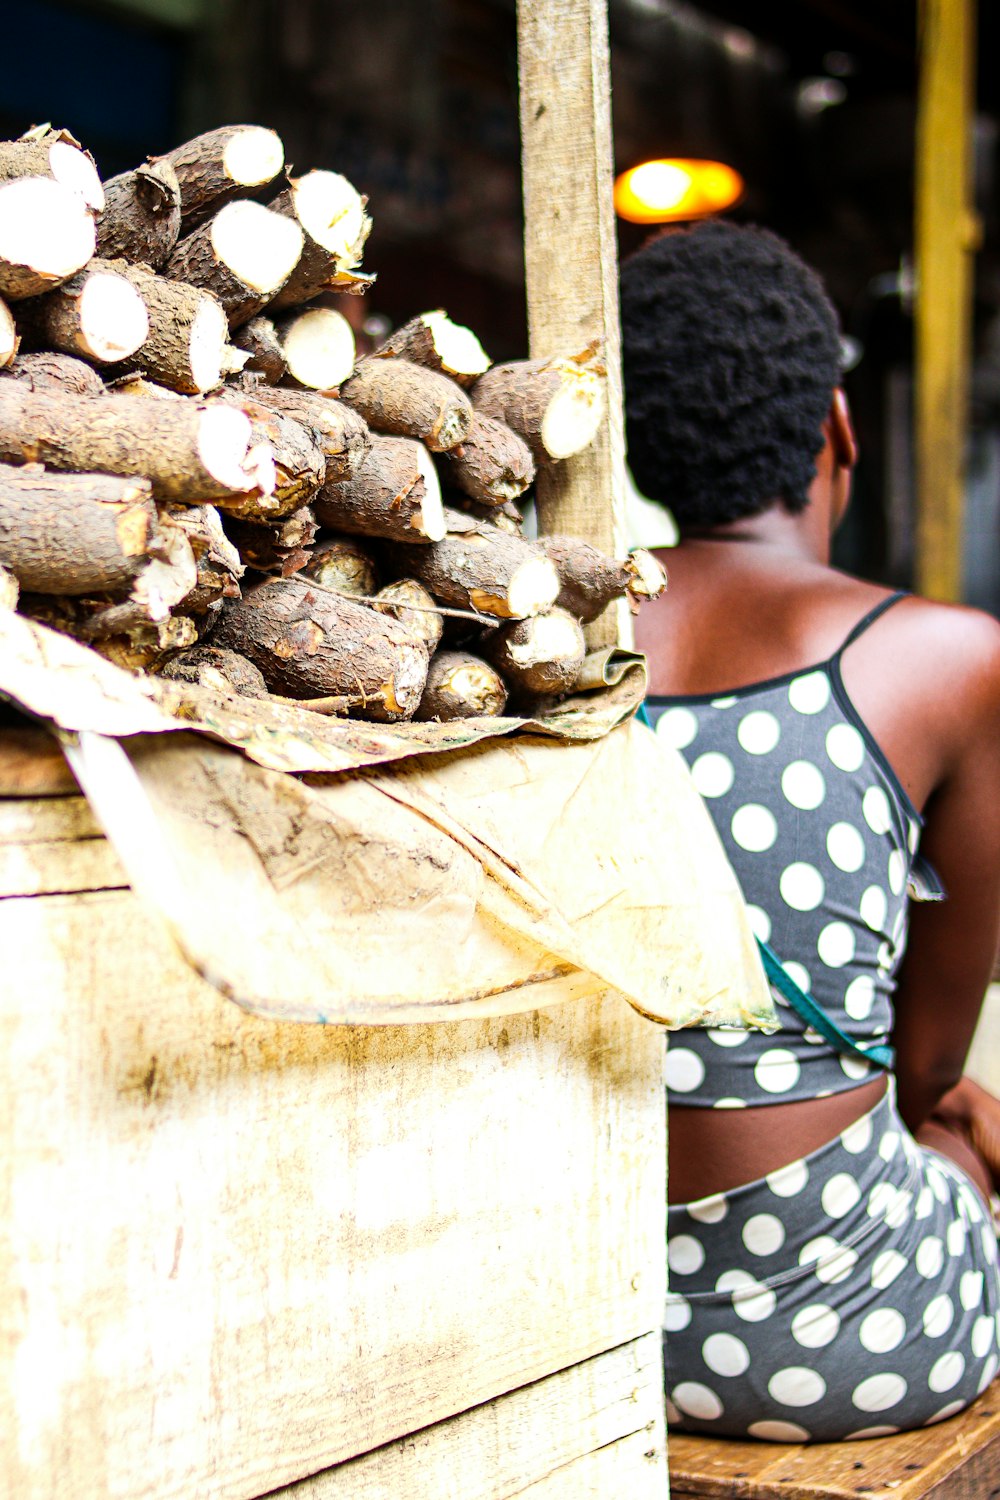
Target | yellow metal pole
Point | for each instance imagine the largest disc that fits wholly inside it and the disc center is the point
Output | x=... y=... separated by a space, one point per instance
x=945 y=234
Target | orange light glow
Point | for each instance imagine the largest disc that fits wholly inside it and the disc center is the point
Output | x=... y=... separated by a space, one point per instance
x=678 y=188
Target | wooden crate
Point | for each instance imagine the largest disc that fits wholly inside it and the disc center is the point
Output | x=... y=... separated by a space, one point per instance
x=236 y=1253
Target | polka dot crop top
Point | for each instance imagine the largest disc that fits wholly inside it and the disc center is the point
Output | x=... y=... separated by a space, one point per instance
x=823 y=840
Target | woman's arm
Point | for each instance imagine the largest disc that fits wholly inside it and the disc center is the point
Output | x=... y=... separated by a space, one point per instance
x=953 y=944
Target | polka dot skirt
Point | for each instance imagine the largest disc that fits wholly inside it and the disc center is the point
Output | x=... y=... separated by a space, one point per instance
x=851 y=1294
x=824 y=843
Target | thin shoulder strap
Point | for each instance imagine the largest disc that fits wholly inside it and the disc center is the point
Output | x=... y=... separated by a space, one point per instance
x=814 y=1015
x=870 y=618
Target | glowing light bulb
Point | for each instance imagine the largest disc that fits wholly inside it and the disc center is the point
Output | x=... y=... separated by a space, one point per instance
x=676 y=188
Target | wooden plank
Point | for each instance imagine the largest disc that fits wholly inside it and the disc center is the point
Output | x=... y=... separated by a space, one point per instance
x=46 y=869
x=234 y=1253
x=946 y=235
x=32 y=764
x=46 y=820
x=956 y=1460
x=54 y=845
x=570 y=254
x=595 y=1429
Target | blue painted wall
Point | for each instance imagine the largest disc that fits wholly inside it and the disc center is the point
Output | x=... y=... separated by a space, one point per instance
x=113 y=82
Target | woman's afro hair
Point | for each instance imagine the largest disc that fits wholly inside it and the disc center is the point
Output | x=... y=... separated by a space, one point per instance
x=731 y=356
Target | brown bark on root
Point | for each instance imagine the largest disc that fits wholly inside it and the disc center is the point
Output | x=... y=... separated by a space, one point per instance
x=57 y=155
x=331 y=214
x=55 y=372
x=188 y=335
x=589 y=580
x=46 y=234
x=115 y=631
x=141 y=222
x=75 y=533
x=500 y=576
x=505 y=517
x=491 y=464
x=9 y=341
x=259 y=339
x=461 y=686
x=98 y=315
x=299 y=462
x=434 y=341
x=554 y=405
x=192 y=452
x=217 y=561
x=242 y=255
x=342 y=435
x=312 y=643
x=214 y=667
x=138 y=385
x=397 y=396
x=459 y=522
x=344 y=565
x=318 y=347
x=394 y=493
x=540 y=656
x=221 y=165
x=409 y=602
x=281 y=547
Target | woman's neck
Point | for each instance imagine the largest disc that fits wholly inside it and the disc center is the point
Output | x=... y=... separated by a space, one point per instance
x=804 y=535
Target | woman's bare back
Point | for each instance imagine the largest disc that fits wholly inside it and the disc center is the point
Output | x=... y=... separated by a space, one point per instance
x=926 y=681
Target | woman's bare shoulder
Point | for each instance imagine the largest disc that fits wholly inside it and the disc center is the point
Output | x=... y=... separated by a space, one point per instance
x=952 y=643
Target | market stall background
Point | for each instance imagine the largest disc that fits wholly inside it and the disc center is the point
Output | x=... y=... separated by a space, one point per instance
x=244 y=1195
x=813 y=103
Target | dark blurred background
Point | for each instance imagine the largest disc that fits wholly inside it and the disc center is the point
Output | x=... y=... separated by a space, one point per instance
x=812 y=101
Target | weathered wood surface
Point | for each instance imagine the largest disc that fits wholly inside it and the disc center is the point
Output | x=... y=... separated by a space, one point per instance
x=54 y=846
x=234 y=1253
x=571 y=263
x=955 y=1460
x=592 y=1432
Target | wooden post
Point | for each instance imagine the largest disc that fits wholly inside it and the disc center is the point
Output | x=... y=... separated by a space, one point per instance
x=570 y=254
x=945 y=240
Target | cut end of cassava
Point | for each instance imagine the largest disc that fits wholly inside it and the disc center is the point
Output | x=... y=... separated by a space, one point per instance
x=461 y=686
x=259 y=247
x=460 y=352
x=253 y=155
x=413 y=607
x=432 y=524
x=10 y=589
x=209 y=345
x=224 y=435
x=574 y=414
x=45 y=229
x=553 y=637
x=648 y=576
x=113 y=317
x=533 y=587
x=318 y=346
x=542 y=655
x=167 y=578
x=215 y=667
x=8 y=336
x=344 y=565
x=75 y=171
x=332 y=212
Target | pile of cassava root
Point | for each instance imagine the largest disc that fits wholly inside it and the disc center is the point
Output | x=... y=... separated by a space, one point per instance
x=197 y=478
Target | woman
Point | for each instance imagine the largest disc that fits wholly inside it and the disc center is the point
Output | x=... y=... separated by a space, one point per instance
x=833 y=1265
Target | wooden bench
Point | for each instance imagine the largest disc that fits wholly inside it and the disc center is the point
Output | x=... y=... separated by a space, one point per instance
x=957 y=1460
